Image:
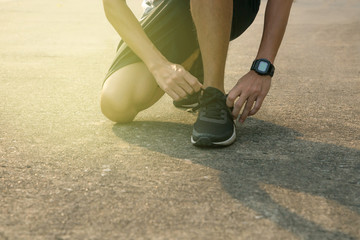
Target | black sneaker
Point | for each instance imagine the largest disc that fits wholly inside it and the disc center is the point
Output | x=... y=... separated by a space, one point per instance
x=215 y=125
x=191 y=101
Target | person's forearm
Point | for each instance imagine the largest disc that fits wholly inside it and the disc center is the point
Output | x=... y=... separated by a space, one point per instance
x=128 y=27
x=276 y=18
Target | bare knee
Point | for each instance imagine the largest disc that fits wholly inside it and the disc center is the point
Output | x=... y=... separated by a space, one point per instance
x=117 y=108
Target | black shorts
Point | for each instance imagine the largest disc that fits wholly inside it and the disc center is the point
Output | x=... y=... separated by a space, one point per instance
x=170 y=27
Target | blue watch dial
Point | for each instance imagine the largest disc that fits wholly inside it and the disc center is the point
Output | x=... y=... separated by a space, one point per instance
x=263 y=66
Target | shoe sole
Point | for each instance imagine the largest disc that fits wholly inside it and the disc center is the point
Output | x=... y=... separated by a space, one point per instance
x=206 y=141
x=187 y=106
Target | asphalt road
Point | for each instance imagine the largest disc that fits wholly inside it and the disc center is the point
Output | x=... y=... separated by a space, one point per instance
x=66 y=172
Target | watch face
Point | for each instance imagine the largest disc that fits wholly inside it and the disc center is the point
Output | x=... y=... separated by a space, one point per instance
x=263 y=67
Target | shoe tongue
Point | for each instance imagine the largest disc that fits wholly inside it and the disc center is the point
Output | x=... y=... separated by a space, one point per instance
x=212 y=95
x=211 y=91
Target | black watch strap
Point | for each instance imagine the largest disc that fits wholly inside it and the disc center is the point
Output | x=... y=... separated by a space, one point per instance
x=263 y=67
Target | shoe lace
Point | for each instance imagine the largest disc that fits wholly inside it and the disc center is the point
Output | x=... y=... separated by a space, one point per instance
x=211 y=106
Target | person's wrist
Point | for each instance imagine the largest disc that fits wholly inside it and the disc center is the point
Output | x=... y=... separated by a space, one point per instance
x=266 y=55
x=263 y=67
x=156 y=63
x=256 y=75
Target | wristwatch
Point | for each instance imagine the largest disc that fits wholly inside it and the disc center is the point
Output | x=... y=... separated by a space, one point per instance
x=263 y=66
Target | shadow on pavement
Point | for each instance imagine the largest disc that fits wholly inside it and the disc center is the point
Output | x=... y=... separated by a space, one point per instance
x=272 y=171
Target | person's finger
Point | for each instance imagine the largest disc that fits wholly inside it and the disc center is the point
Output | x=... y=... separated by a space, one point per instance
x=231 y=97
x=192 y=81
x=186 y=86
x=238 y=105
x=249 y=104
x=189 y=80
x=173 y=95
x=259 y=101
x=179 y=92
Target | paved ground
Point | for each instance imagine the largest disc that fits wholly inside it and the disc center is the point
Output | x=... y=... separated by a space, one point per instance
x=68 y=173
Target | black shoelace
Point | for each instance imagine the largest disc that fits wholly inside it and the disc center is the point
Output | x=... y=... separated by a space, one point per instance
x=212 y=106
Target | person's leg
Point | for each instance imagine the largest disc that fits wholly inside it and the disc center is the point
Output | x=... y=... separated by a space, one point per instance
x=214 y=125
x=128 y=91
x=216 y=22
x=212 y=19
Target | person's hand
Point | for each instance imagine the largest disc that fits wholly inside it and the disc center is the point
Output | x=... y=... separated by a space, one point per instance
x=250 y=90
x=175 y=80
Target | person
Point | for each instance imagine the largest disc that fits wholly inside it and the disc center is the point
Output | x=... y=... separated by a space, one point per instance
x=179 y=47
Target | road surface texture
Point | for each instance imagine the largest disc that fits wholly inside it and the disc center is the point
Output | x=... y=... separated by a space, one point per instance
x=66 y=172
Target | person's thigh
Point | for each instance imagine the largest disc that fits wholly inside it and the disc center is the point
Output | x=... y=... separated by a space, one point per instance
x=128 y=91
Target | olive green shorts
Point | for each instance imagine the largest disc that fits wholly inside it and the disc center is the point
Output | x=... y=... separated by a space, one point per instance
x=170 y=27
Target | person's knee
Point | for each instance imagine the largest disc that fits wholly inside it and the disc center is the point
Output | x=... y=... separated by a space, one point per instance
x=116 y=108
